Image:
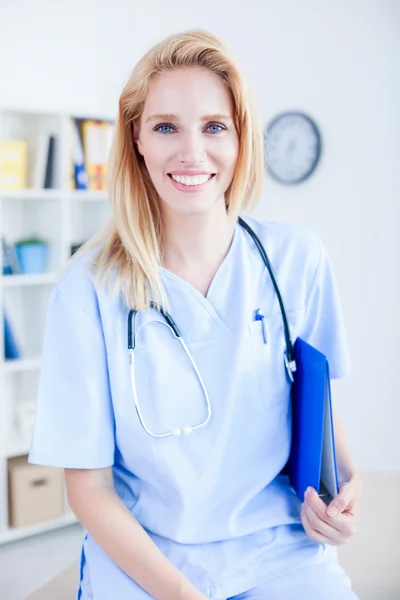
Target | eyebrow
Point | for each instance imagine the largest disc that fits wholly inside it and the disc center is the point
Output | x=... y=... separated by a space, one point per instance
x=171 y=117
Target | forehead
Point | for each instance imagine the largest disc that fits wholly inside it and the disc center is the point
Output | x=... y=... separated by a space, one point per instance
x=191 y=91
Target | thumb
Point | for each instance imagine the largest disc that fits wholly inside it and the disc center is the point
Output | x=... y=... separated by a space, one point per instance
x=340 y=502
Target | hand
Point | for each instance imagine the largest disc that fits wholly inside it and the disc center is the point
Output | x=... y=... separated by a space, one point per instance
x=334 y=524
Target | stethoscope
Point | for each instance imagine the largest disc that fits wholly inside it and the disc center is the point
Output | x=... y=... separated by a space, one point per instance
x=289 y=361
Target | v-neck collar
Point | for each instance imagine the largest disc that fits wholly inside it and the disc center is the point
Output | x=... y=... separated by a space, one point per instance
x=180 y=280
x=222 y=267
x=206 y=301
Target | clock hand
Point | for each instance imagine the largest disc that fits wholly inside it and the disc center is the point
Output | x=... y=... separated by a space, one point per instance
x=291 y=148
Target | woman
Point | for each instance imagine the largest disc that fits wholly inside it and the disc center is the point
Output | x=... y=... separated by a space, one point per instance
x=205 y=515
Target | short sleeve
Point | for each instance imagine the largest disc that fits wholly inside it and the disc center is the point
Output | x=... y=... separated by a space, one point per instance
x=323 y=326
x=74 y=423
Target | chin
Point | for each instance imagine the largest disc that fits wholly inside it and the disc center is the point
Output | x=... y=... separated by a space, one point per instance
x=190 y=206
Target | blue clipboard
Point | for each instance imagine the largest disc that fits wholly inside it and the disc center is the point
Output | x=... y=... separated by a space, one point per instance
x=312 y=460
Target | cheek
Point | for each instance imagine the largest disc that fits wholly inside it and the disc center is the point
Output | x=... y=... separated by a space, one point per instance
x=227 y=154
x=154 y=157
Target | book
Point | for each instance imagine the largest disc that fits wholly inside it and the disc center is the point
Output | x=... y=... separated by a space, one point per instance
x=11 y=264
x=96 y=137
x=13 y=172
x=75 y=247
x=78 y=159
x=40 y=161
x=11 y=348
x=43 y=169
x=49 y=178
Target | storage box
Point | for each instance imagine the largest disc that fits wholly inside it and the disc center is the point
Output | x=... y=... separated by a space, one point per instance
x=36 y=493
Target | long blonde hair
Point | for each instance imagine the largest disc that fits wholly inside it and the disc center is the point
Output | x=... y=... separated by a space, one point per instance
x=129 y=255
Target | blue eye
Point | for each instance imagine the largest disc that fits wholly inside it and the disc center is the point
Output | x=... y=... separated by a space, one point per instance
x=162 y=128
x=219 y=127
x=212 y=128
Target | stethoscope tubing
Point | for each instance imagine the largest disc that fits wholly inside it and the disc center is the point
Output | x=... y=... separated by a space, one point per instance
x=290 y=363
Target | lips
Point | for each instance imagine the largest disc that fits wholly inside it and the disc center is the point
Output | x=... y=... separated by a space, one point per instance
x=189 y=173
x=191 y=183
x=191 y=180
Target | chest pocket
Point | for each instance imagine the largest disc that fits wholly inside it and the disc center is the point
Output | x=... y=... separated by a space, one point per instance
x=269 y=348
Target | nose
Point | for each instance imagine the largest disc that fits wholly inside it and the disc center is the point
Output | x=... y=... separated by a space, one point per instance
x=191 y=148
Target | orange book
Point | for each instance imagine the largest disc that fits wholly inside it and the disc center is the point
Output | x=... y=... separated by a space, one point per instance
x=94 y=136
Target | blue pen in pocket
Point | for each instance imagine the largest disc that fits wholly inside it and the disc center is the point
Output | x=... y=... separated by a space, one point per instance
x=259 y=316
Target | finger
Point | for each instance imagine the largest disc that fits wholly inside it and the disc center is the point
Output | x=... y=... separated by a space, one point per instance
x=340 y=522
x=311 y=533
x=312 y=496
x=341 y=501
x=335 y=535
x=337 y=523
x=312 y=499
x=344 y=523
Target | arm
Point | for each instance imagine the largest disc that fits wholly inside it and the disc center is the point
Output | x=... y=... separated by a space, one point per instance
x=345 y=464
x=92 y=497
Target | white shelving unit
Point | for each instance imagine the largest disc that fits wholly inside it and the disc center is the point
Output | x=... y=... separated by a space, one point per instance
x=63 y=216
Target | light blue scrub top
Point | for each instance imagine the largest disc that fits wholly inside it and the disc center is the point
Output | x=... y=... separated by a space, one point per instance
x=213 y=501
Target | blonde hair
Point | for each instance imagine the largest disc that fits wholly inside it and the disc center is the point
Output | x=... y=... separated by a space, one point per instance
x=129 y=253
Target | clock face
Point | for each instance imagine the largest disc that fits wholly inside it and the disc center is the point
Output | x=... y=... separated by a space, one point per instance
x=292 y=145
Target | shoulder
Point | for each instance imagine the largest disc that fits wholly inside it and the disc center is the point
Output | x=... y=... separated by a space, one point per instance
x=76 y=284
x=295 y=254
x=288 y=244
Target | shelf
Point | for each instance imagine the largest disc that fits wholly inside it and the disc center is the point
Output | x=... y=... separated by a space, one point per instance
x=12 y=534
x=15 y=447
x=88 y=195
x=32 y=194
x=11 y=281
x=54 y=194
x=21 y=365
x=64 y=217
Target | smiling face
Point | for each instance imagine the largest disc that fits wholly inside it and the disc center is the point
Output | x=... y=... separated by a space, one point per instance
x=188 y=139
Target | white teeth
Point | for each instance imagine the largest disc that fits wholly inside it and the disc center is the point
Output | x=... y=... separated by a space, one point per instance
x=186 y=180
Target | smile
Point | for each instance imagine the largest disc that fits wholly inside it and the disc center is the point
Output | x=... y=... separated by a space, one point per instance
x=191 y=181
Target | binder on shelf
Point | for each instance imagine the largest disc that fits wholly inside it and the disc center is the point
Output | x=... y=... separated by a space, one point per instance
x=11 y=348
x=96 y=137
x=49 y=179
x=75 y=247
x=43 y=171
x=78 y=160
x=40 y=161
x=13 y=173
x=11 y=264
x=109 y=136
x=312 y=459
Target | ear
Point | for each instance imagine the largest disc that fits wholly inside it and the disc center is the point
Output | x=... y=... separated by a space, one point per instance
x=139 y=146
x=136 y=139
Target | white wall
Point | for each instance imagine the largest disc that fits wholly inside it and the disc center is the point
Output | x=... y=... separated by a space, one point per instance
x=49 y=55
x=338 y=61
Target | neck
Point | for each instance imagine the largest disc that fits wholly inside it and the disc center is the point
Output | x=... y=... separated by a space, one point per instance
x=195 y=245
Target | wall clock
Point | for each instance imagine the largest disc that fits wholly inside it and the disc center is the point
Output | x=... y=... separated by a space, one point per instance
x=292 y=147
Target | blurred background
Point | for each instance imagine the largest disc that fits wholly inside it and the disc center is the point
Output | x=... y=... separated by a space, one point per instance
x=333 y=167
